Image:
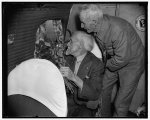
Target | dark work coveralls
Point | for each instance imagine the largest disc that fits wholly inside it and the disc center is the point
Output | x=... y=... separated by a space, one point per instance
x=124 y=62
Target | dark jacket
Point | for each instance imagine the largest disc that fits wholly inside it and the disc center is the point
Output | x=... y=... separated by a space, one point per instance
x=91 y=72
x=121 y=42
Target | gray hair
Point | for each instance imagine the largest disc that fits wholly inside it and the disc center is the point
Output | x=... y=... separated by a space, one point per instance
x=90 y=11
x=88 y=40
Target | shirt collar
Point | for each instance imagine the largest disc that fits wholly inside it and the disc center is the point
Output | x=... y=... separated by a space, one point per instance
x=81 y=57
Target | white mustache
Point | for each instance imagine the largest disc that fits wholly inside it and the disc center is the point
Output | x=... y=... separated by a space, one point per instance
x=89 y=31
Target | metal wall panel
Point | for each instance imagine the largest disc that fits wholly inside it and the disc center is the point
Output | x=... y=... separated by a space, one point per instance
x=131 y=12
x=24 y=25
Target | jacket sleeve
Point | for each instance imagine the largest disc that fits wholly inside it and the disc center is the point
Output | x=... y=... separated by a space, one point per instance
x=122 y=51
x=92 y=86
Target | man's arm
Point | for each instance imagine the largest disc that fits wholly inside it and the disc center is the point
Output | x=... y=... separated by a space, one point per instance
x=122 y=52
x=92 y=85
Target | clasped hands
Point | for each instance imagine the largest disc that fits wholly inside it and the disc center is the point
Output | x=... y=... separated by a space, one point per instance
x=66 y=72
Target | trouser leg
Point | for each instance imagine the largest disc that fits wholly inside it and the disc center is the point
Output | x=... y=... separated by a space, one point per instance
x=109 y=80
x=75 y=110
x=128 y=82
x=139 y=96
x=82 y=111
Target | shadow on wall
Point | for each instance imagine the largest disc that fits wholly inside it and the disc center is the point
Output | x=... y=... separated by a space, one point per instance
x=77 y=21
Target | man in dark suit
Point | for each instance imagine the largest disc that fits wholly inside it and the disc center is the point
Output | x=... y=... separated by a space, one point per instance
x=86 y=72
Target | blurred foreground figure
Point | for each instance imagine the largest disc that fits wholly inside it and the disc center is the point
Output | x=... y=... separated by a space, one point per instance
x=123 y=55
x=36 y=89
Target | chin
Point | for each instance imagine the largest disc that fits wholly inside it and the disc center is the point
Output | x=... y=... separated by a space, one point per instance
x=68 y=52
x=89 y=30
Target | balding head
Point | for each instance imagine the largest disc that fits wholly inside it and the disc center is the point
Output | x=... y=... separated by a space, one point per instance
x=79 y=44
x=84 y=38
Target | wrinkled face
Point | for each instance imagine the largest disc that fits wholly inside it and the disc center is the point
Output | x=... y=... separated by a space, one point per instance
x=73 y=46
x=88 y=24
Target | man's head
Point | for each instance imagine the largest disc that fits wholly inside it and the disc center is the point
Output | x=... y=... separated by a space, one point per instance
x=90 y=16
x=79 y=44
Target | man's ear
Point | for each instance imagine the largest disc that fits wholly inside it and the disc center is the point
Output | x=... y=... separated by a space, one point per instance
x=81 y=45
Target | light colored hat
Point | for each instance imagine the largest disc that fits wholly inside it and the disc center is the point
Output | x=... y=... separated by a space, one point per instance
x=41 y=80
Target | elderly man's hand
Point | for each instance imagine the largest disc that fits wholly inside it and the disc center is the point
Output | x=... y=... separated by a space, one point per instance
x=66 y=72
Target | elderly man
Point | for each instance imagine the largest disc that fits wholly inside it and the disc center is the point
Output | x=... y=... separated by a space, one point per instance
x=123 y=54
x=86 y=72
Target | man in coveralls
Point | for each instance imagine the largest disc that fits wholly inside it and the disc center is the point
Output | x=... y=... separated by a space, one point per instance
x=123 y=54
